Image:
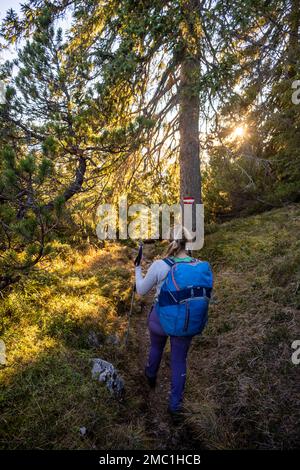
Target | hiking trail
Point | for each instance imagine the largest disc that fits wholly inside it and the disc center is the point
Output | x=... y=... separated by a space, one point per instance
x=162 y=432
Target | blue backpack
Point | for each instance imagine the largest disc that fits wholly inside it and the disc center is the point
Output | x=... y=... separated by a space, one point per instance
x=183 y=301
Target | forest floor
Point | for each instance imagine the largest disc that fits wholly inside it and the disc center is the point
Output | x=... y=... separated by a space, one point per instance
x=242 y=388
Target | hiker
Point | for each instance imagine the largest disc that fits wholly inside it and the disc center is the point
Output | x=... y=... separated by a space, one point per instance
x=162 y=314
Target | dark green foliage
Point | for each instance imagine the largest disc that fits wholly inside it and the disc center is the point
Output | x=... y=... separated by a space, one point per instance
x=261 y=169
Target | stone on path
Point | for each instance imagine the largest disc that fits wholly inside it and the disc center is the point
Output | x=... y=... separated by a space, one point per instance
x=105 y=372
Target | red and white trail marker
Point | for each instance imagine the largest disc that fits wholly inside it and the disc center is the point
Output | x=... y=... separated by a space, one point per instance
x=188 y=200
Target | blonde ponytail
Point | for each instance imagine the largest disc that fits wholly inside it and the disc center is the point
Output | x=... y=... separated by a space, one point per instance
x=180 y=237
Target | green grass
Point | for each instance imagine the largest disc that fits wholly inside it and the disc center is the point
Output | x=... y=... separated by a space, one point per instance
x=47 y=393
x=242 y=389
x=245 y=395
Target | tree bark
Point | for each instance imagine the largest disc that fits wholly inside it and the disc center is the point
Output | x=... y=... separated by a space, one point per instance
x=75 y=186
x=190 y=179
x=189 y=104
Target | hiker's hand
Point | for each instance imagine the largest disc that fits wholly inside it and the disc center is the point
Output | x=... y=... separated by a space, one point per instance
x=138 y=259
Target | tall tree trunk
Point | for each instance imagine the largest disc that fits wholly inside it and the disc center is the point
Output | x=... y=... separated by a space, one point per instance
x=190 y=180
x=189 y=104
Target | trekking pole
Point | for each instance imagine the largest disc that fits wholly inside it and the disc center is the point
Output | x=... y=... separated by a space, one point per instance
x=129 y=315
x=137 y=262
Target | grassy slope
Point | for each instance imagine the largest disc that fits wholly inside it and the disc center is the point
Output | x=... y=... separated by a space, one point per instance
x=47 y=393
x=242 y=387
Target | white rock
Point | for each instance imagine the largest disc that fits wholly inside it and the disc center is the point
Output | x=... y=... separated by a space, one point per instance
x=105 y=372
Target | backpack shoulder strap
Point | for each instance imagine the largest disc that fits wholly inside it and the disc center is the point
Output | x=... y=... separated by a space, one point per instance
x=169 y=262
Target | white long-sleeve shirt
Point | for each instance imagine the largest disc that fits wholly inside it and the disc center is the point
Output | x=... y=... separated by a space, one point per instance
x=154 y=277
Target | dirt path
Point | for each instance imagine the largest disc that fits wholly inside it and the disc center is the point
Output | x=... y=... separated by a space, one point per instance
x=162 y=432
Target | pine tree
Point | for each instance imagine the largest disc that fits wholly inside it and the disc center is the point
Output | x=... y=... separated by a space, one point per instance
x=149 y=55
x=261 y=169
x=58 y=139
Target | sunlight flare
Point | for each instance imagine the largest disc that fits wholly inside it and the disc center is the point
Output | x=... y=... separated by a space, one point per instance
x=239 y=132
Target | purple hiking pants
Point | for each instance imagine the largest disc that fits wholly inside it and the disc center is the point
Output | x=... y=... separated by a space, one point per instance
x=179 y=350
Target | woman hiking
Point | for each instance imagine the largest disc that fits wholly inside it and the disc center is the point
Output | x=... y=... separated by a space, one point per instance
x=179 y=310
